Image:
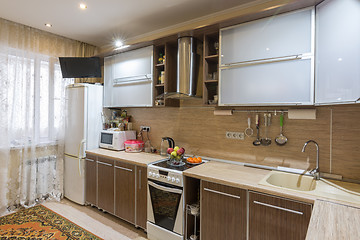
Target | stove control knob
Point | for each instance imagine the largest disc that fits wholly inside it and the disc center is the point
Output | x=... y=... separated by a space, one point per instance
x=177 y=180
x=150 y=174
x=169 y=178
x=173 y=179
x=157 y=175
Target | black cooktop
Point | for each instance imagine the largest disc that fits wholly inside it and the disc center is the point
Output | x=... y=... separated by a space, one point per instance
x=165 y=164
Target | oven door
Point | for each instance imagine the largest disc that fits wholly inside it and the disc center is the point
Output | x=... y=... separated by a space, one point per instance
x=165 y=206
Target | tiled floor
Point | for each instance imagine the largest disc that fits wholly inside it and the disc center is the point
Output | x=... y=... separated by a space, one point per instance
x=99 y=223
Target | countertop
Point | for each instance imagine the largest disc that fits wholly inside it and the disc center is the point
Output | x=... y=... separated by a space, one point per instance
x=242 y=177
x=333 y=221
x=140 y=159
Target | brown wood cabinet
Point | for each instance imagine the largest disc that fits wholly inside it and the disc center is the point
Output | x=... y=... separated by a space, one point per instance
x=165 y=71
x=105 y=184
x=117 y=187
x=125 y=191
x=141 y=196
x=90 y=179
x=210 y=67
x=223 y=212
x=277 y=218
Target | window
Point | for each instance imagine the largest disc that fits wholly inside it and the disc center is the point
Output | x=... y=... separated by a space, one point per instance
x=32 y=97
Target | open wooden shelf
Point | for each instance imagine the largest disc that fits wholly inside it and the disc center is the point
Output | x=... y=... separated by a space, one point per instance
x=210 y=67
x=211 y=81
x=160 y=65
x=212 y=58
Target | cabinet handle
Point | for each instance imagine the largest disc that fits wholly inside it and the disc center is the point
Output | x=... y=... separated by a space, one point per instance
x=140 y=179
x=280 y=208
x=122 y=168
x=90 y=160
x=106 y=164
x=222 y=193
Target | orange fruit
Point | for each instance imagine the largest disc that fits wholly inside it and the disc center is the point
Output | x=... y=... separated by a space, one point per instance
x=199 y=160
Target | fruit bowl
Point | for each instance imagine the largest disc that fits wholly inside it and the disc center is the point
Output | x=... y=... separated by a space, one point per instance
x=176 y=161
x=176 y=156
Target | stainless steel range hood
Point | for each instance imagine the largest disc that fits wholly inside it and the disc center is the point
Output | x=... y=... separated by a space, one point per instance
x=186 y=82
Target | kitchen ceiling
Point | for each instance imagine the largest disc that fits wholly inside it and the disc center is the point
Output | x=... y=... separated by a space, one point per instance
x=105 y=20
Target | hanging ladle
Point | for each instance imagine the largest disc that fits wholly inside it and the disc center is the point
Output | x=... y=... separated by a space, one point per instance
x=257 y=141
x=281 y=139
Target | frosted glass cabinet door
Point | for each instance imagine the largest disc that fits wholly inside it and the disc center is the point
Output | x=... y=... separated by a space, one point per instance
x=337 y=51
x=283 y=35
x=133 y=63
x=276 y=83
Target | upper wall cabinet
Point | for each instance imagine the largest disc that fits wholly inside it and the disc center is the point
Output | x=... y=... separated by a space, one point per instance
x=337 y=52
x=273 y=37
x=128 y=80
x=268 y=61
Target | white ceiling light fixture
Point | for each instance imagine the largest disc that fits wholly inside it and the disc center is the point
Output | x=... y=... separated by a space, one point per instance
x=48 y=25
x=118 y=43
x=83 y=6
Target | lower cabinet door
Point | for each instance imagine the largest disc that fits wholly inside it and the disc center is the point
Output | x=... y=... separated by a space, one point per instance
x=125 y=191
x=223 y=212
x=277 y=218
x=106 y=184
x=141 y=197
x=90 y=179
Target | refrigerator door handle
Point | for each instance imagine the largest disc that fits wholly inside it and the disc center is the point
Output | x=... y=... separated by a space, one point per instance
x=80 y=154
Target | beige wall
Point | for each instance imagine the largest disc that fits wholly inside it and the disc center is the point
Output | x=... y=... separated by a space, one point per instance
x=336 y=129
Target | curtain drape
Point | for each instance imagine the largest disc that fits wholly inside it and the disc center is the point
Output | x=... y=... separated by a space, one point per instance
x=32 y=105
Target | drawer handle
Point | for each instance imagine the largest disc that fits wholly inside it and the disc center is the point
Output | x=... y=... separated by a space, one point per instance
x=126 y=169
x=222 y=193
x=106 y=164
x=90 y=160
x=280 y=208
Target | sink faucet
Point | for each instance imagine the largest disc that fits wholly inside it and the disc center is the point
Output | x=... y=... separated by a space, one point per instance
x=316 y=171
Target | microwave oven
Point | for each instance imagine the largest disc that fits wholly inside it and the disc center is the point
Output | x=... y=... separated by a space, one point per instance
x=114 y=140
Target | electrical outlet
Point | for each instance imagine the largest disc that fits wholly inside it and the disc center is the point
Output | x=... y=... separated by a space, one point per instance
x=235 y=135
x=145 y=128
x=228 y=134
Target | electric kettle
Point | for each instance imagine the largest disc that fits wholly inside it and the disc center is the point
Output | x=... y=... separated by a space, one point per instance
x=166 y=142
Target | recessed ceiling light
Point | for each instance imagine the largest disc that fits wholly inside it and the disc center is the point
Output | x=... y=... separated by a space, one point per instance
x=48 y=25
x=118 y=43
x=83 y=6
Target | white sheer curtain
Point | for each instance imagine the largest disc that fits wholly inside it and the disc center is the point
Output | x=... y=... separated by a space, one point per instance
x=32 y=105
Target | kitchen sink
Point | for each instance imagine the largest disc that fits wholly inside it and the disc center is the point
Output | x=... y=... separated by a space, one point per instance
x=291 y=181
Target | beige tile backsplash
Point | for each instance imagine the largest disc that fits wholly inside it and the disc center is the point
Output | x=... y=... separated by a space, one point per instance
x=336 y=129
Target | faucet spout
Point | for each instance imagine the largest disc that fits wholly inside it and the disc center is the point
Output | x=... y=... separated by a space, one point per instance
x=315 y=172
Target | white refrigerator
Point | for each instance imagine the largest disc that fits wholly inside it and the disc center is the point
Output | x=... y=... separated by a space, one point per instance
x=82 y=132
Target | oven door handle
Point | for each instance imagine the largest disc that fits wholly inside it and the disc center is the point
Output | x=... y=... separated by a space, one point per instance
x=167 y=189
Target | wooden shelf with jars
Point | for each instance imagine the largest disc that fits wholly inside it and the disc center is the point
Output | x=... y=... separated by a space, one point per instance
x=165 y=64
x=211 y=68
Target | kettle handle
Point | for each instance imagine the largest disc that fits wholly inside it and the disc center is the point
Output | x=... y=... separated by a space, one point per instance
x=171 y=142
